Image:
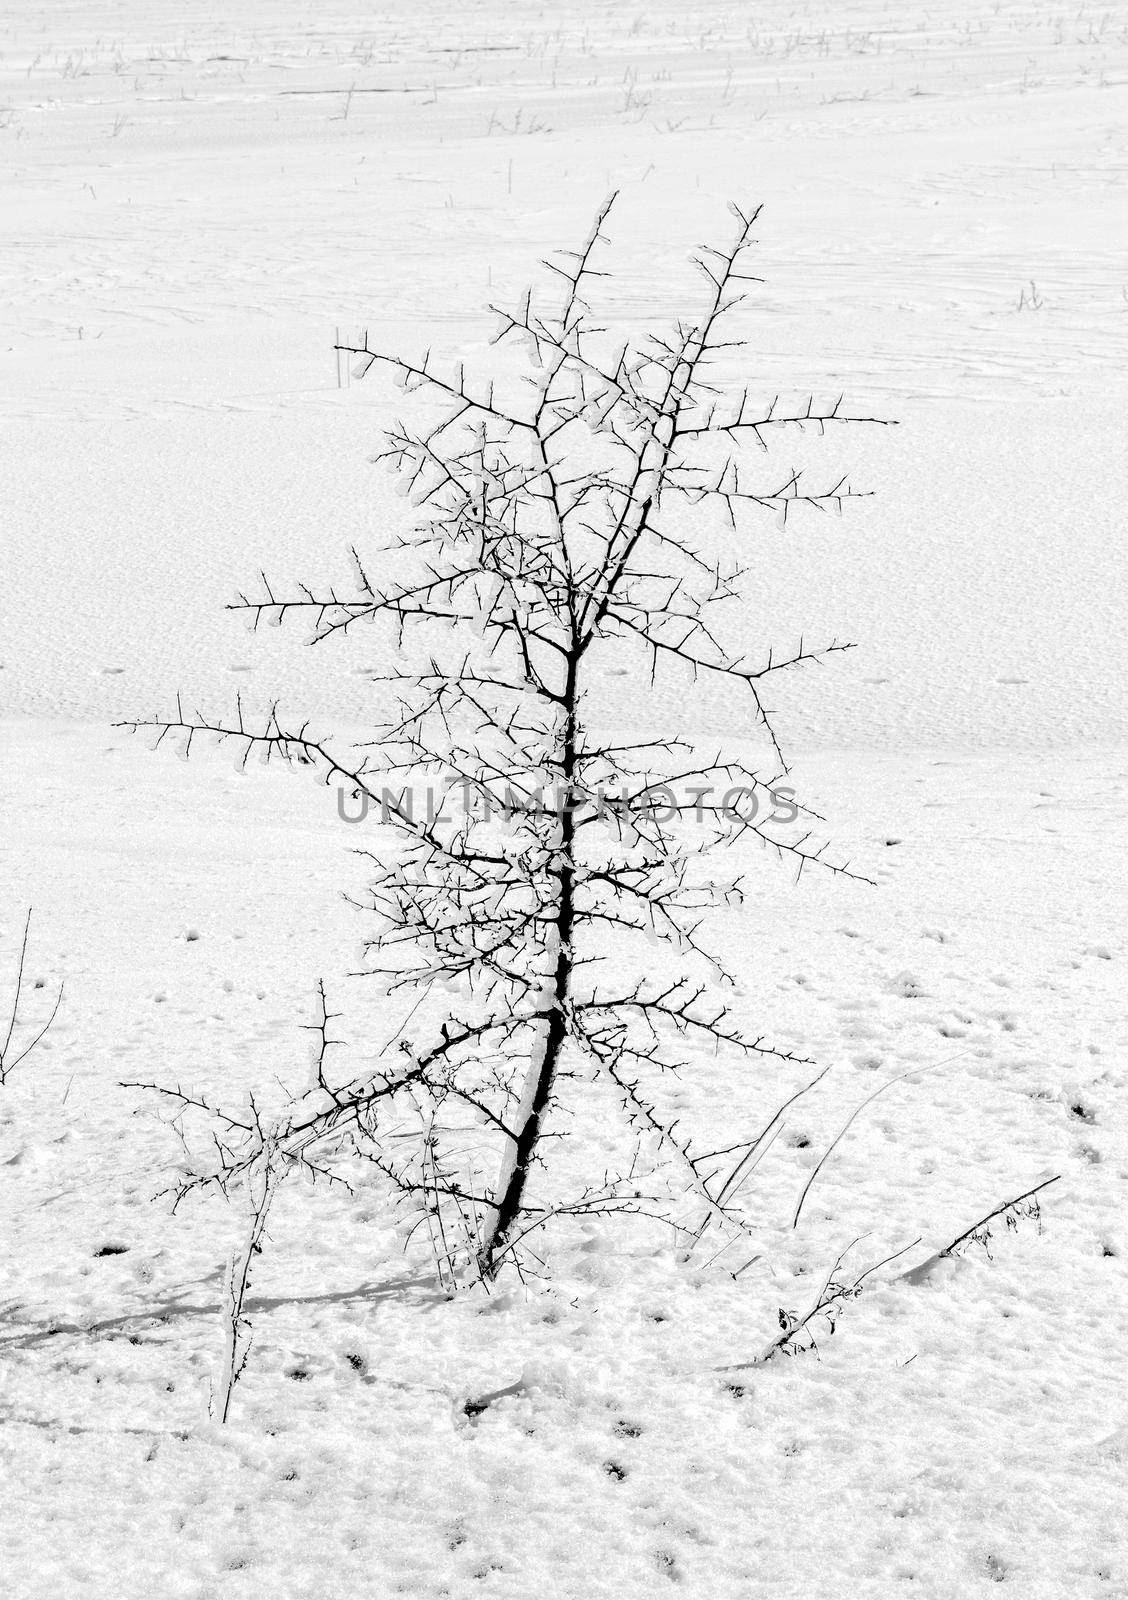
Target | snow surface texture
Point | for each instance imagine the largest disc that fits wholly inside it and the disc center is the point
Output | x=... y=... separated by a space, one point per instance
x=191 y=207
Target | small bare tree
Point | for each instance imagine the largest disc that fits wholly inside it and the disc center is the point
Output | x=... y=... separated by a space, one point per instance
x=551 y=548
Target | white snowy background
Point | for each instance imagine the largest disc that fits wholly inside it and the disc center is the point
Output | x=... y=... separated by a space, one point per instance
x=192 y=202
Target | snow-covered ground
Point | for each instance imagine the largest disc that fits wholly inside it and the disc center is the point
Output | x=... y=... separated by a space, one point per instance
x=190 y=207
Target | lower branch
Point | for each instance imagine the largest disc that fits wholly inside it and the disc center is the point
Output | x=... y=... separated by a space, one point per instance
x=261 y=1186
x=13 y=1050
x=1023 y=1205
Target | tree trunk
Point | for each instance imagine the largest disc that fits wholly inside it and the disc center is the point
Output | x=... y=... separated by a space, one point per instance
x=540 y=1074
